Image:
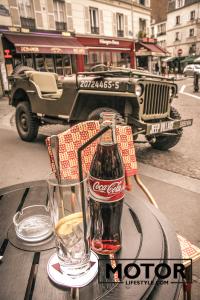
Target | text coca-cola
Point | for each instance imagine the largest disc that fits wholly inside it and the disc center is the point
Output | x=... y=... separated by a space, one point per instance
x=106 y=190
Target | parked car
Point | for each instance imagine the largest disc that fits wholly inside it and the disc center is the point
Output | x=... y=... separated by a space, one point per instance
x=189 y=70
x=143 y=100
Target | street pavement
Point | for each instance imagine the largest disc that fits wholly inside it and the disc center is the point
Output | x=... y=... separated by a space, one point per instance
x=171 y=176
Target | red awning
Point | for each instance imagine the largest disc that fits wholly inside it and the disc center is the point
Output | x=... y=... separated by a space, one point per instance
x=103 y=44
x=151 y=47
x=45 y=43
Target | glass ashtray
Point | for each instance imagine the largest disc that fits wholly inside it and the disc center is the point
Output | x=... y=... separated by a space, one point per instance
x=33 y=223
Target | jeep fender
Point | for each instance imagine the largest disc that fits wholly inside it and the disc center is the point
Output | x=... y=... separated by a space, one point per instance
x=87 y=101
x=18 y=96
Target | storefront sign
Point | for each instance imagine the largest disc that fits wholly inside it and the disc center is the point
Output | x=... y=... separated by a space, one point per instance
x=29 y=49
x=56 y=50
x=14 y=29
x=148 y=40
x=25 y=30
x=66 y=33
x=46 y=49
x=79 y=51
x=142 y=50
x=108 y=42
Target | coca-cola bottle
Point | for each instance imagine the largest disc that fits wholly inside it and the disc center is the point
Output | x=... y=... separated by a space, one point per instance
x=106 y=190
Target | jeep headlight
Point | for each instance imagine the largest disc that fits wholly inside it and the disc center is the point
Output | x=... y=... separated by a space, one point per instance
x=138 y=90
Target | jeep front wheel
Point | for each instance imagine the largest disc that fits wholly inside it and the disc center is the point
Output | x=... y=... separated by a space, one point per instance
x=95 y=114
x=165 y=142
x=26 y=122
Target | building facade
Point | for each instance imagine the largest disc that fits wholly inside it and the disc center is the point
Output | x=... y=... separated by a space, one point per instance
x=158 y=21
x=183 y=28
x=66 y=36
x=158 y=27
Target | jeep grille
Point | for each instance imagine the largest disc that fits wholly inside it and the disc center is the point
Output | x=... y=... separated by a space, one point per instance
x=156 y=100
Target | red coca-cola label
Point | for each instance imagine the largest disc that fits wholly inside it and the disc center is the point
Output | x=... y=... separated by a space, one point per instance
x=106 y=190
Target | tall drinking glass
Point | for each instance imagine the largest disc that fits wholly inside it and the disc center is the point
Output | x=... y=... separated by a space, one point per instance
x=70 y=227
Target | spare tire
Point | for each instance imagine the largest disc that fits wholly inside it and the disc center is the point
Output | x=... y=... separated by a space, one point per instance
x=19 y=70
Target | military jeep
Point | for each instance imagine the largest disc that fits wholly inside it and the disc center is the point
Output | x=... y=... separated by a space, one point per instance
x=143 y=101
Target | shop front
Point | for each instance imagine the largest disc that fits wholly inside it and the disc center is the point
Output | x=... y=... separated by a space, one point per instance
x=42 y=51
x=107 y=51
x=149 y=54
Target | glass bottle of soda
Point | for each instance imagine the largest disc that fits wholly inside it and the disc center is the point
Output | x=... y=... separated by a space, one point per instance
x=106 y=190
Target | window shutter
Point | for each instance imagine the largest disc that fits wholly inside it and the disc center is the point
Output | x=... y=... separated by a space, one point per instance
x=70 y=26
x=101 y=24
x=14 y=12
x=38 y=13
x=114 y=24
x=125 y=25
x=51 y=18
x=87 y=20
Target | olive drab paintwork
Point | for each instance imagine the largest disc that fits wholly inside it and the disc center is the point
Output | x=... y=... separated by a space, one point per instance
x=141 y=98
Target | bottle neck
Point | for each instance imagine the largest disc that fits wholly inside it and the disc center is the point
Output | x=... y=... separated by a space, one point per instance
x=109 y=137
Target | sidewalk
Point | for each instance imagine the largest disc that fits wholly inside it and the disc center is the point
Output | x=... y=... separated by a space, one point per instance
x=5 y=108
x=178 y=197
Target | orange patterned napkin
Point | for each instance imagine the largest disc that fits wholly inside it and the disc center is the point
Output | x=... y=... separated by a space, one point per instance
x=188 y=249
x=71 y=139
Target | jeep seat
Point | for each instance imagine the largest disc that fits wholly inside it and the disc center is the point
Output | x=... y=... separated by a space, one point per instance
x=46 y=82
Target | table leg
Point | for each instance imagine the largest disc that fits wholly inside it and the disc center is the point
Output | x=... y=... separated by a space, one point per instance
x=187 y=285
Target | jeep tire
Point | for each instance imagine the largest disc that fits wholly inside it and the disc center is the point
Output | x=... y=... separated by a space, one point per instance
x=95 y=114
x=165 y=142
x=26 y=122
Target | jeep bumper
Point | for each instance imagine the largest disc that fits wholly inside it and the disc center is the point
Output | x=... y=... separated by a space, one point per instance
x=166 y=126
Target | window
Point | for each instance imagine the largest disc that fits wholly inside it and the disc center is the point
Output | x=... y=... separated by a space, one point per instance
x=191 y=33
x=94 y=20
x=120 y=25
x=162 y=44
x=120 y=59
x=26 y=8
x=177 y=36
x=152 y=32
x=192 y=49
x=93 y=58
x=177 y=20
x=59 y=14
x=161 y=29
x=180 y=3
x=63 y=64
x=192 y=15
x=142 y=25
x=142 y=2
x=26 y=14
